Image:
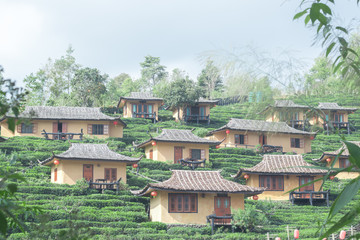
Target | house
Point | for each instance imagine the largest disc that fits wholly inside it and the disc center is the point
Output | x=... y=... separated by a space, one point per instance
x=342 y=162
x=188 y=197
x=280 y=174
x=332 y=115
x=64 y=122
x=246 y=133
x=287 y=111
x=200 y=112
x=174 y=145
x=92 y=162
x=141 y=105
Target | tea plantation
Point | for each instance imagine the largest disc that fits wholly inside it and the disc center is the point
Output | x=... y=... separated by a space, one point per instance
x=76 y=212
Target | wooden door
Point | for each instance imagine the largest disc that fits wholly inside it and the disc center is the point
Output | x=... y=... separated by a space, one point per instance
x=262 y=140
x=178 y=154
x=222 y=208
x=88 y=172
x=304 y=180
x=55 y=130
x=151 y=154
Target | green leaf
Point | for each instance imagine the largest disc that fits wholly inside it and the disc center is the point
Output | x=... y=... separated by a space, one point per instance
x=355 y=68
x=12 y=187
x=314 y=12
x=345 y=197
x=330 y=47
x=344 y=70
x=300 y=14
x=354 y=152
x=343 y=42
x=17 y=176
x=11 y=124
x=338 y=66
x=3 y=223
x=307 y=19
x=342 y=29
x=322 y=19
x=325 y=8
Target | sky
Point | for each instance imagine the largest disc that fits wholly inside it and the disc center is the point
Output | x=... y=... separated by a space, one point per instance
x=115 y=35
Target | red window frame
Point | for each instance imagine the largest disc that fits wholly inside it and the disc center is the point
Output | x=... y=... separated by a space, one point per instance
x=183 y=203
x=272 y=182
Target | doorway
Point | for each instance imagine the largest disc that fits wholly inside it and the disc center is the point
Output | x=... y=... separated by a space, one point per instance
x=88 y=172
x=222 y=208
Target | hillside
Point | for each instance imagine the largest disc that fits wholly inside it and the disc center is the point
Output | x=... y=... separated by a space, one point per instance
x=77 y=211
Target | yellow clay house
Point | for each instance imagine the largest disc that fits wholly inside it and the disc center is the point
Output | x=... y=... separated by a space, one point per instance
x=173 y=145
x=140 y=105
x=93 y=162
x=200 y=112
x=342 y=162
x=282 y=173
x=287 y=111
x=331 y=115
x=245 y=133
x=64 y=122
x=188 y=197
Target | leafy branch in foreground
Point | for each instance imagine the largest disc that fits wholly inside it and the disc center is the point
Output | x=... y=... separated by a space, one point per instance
x=319 y=14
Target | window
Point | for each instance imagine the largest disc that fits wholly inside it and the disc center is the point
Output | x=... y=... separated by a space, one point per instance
x=26 y=128
x=110 y=174
x=272 y=183
x=339 y=117
x=239 y=139
x=196 y=153
x=344 y=162
x=297 y=143
x=182 y=202
x=98 y=129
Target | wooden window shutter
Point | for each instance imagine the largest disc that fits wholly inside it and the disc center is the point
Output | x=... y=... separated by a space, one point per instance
x=19 y=128
x=113 y=174
x=190 y=153
x=302 y=143
x=55 y=174
x=107 y=174
x=89 y=129
x=64 y=127
x=202 y=153
x=245 y=139
x=34 y=128
x=55 y=127
x=106 y=129
x=292 y=142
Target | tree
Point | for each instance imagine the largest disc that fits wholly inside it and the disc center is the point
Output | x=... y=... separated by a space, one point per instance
x=115 y=88
x=182 y=91
x=152 y=72
x=88 y=87
x=318 y=14
x=210 y=80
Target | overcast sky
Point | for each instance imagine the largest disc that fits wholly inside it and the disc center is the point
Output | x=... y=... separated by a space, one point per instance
x=115 y=35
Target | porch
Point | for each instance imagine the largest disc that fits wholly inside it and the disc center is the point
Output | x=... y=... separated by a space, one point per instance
x=311 y=196
x=103 y=184
x=145 y=115
x=61 y=136
x=220 y=221
x=299 y=124
x=197 y=118
x=192 y=163
x=271 y=149
x=337 y=125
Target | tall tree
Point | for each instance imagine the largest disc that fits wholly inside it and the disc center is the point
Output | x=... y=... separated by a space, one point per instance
x=210 y=80
x=115 y=88
x=152 y=72
x=182 y=91
x=88 y=87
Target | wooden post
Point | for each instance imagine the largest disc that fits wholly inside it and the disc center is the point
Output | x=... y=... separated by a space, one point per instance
x=212 y=226
x=311 y=198
x=267 y=236
x=352 y=231
x=288 y=231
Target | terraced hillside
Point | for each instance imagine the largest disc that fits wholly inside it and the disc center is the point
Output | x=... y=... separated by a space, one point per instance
x=77 y=211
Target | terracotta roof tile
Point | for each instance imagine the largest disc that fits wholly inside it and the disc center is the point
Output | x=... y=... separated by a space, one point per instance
x=176 y=135
x=288 y=104
x=87 y=151
x=142 y=96
x=260 y=126
x=282 y=164
x=199 y=181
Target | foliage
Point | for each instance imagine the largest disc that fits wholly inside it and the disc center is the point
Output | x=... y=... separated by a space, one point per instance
x=248 y=219
x=120 y=86
x=152 y=72
x=210 y=80
x=319 y=14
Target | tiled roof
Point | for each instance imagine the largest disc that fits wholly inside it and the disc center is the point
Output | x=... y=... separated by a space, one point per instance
x=288 y=104
x=283 y=165
x=65 y=113
x=199 y=181
x=260 y=126
x=142 y=96
x=181 y=136
x=345 y=153
x=333 y=106
x=203 y=100
x=87 y=151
